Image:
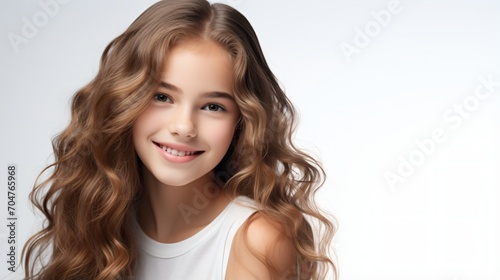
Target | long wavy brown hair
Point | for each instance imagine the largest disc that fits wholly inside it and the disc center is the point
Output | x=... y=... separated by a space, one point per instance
x=90 y=198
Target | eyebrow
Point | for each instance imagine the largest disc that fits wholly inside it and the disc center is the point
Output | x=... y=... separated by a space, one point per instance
x=210 y=94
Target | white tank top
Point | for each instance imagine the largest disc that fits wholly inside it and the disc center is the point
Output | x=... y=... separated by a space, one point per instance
x=202 y=256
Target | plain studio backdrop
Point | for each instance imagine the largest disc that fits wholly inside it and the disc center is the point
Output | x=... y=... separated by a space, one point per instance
x=398 y=99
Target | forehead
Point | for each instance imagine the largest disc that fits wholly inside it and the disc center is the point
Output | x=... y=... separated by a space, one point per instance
x=199 y=65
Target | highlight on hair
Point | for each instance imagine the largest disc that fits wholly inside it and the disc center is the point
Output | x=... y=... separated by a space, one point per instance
x=90 y=198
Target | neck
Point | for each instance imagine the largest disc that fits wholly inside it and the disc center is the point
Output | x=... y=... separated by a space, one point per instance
x=171 y=214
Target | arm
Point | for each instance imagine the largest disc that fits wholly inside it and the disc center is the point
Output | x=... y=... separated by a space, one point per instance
x=264 y=240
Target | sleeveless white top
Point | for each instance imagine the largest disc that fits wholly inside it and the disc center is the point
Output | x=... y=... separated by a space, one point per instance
x=202 y=256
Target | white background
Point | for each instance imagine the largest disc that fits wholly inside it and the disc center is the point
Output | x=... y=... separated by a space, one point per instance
x=361 y=114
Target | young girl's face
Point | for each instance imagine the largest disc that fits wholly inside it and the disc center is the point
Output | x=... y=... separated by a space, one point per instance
x=188 y=127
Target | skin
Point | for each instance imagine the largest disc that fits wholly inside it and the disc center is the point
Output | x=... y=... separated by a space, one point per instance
x=195 y=108
x=181 y=113
x=264 y=238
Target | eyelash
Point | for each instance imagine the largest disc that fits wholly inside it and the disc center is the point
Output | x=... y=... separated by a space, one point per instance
x=220 y=108
x=158 y=95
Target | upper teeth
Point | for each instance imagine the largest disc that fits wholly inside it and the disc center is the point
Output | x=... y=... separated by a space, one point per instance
x=177 y=152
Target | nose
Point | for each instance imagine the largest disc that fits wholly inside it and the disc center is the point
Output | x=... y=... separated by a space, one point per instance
x=182 y=124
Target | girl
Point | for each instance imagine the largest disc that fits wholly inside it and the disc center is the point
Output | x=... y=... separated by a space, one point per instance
x=178 y=162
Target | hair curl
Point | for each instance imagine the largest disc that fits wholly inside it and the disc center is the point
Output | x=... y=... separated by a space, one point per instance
x=91 y=195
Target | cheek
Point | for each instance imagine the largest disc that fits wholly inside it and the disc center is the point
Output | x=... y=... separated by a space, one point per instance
x=220 y=135
x=142 y=126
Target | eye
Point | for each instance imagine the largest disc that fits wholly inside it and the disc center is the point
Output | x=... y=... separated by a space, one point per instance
x=160 y=97
x=214 y=107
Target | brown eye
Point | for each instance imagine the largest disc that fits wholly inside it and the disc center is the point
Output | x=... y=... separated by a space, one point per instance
x=162 y=97
x=214 y=107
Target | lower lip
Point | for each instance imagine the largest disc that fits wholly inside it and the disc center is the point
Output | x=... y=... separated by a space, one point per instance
x=176 y=159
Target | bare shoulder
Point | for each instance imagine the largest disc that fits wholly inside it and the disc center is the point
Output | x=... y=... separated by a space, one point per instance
x=263 y=241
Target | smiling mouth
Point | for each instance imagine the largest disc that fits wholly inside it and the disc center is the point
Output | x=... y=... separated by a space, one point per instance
x=177 y=152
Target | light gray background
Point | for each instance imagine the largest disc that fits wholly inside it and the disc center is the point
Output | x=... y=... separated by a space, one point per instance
x=360 y=114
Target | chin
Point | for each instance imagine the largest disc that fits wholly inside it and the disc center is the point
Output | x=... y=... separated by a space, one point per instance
x=174 y=183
